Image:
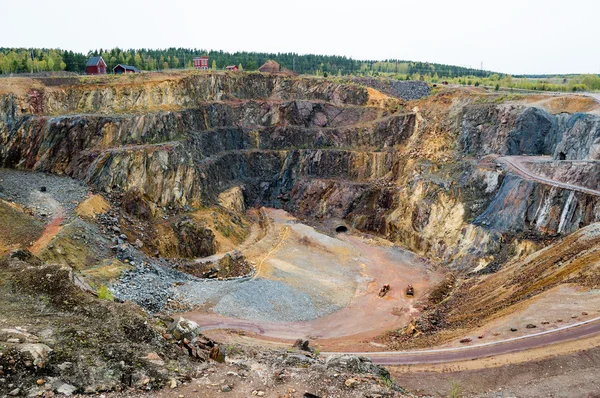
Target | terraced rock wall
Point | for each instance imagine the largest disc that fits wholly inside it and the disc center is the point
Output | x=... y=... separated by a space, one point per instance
x=313 y=147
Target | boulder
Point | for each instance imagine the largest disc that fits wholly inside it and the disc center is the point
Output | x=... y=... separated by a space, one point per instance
x=184 y=329
x=66 y=389
x=355 y=364
x=352 y=382
x=303 y=345
x=297 y=360
x=216 y=354
x=38 y=352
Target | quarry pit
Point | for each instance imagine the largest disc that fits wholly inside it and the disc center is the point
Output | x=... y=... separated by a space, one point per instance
x=270 y=208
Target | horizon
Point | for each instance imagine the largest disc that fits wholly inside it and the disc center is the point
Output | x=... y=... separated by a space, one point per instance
x=202 y=51
x=464 y=34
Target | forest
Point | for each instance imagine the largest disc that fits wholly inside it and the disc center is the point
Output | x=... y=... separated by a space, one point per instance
x=22 y=60
x=36 y=60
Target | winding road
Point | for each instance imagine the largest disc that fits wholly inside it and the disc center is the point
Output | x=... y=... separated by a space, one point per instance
x=560 y=335
x=517 y=166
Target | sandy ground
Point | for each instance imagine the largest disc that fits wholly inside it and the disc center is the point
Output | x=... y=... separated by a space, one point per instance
x=345 y=271
x=560 y=306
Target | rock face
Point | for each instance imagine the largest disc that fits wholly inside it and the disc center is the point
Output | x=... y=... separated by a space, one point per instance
x=313 y=147
x=525 y=206
x=518 y=130
x=194 y=239
x=581 y=138
x=508 y=130
x=233 y=199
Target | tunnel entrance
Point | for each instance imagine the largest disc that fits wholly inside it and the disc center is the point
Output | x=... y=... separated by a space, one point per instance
x=562 y=156
x=341 y=228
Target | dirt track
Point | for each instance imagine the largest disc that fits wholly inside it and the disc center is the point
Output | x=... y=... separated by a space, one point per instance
x=568 y=333
x=515 y=164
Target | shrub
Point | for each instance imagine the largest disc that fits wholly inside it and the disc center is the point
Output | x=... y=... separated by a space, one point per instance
x=455 y=390
x=105 y=294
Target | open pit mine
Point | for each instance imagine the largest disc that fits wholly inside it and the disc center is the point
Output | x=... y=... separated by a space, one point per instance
x=205 y=233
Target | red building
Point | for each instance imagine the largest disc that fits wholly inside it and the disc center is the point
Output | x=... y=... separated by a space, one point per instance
x=121 y=69
x=95 y=66
x=232 y=68
x=201 y=62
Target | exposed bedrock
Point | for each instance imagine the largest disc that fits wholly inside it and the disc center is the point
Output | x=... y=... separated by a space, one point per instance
x=52 y=143
x=527 y=206
x=314 y=148
x=86 y=96
x=508 y=130
x=581 y=138
x=518 y=130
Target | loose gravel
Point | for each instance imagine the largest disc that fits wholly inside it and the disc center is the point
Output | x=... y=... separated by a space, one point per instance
x=150 y=284
x=404 y=89
x=62 y=194
x=255 y=299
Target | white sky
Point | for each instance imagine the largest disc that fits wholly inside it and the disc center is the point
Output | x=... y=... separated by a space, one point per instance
x=511 y=36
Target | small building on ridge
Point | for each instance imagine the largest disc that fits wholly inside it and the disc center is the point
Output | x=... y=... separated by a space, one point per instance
x=122 y=69
x=95 y=66
x=201 y=62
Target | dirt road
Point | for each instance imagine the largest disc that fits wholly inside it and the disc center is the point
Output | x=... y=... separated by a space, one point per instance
x=560 y=335
x=516 y=165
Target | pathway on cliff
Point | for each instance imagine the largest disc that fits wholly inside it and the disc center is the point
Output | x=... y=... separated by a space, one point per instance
x=517 y=165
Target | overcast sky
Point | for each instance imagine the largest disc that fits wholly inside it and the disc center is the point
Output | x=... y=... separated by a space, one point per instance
x=511 y=36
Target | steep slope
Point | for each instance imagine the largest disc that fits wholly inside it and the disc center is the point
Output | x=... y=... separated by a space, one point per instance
x=314 y=147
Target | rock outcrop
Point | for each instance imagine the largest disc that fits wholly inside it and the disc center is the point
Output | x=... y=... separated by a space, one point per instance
x=313 y=147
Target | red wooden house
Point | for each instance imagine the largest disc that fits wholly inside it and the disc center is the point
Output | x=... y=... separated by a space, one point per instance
x=201 y=62
x=95 y=66
x=232 y=68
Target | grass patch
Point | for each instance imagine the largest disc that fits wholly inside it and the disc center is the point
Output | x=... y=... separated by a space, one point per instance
x=455 y=390
x=105 y=294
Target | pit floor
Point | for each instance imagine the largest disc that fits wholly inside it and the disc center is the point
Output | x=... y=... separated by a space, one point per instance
x=333 y=283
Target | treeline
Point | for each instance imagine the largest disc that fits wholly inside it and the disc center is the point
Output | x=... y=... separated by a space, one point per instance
x=573 y=83
x=19 y=60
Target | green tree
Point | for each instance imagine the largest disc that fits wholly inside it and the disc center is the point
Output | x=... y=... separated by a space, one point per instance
x=252 y=65
x=214 y=65
x=137 y=60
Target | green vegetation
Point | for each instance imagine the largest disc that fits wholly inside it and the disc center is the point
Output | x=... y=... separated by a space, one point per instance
x=570 y=83
x=455 y=390
x=20 y=60
x=104 y=293
x=386 y=381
